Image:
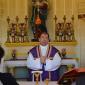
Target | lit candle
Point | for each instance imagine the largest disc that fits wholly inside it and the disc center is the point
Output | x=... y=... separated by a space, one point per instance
x=8 y=7
x=64 y=8
x=26 y=7
x=72 y=7
x=16 y=8
x=55 y=7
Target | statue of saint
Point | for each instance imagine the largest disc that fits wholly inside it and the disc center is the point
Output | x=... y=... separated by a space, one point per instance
x=39 y=16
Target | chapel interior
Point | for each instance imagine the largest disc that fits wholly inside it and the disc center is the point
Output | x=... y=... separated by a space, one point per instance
x=64 y=20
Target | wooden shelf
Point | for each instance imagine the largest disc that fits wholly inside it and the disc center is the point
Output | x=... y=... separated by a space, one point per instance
x=36 y=43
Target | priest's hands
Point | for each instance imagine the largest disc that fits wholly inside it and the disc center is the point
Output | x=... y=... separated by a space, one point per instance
x=43 y=59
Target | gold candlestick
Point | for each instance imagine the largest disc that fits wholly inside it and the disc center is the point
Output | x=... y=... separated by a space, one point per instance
x=64 y=28
x=37 y=76
x=26 y=19
x=26 y=28
x=8 y=30
x=47 y=81
x=55 y=18
x=73 y=37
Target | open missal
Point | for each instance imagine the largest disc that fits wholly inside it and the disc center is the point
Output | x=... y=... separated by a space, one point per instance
x=71 y=75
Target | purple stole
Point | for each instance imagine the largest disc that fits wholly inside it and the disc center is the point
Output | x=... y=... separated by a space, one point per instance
x=52 y=75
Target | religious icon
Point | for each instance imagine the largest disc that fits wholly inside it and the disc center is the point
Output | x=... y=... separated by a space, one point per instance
x=39 y=16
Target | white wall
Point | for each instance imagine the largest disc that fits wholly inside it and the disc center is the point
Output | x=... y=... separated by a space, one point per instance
x=81 y=26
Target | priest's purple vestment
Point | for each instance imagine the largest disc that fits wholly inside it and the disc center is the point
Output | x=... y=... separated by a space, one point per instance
x=53 y=61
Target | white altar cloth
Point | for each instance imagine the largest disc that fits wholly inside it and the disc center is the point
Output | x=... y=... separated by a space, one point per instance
x=21 y=63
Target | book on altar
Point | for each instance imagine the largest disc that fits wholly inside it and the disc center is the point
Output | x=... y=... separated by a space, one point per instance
x=72 y=74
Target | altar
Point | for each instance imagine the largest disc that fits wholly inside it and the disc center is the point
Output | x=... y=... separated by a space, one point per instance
x=13 y=64
x=21 y=63
x=34 y=83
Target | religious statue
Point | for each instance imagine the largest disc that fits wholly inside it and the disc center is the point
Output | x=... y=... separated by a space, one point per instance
x=38 y=18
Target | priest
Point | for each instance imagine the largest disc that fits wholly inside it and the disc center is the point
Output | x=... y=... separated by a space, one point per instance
x=44 y=57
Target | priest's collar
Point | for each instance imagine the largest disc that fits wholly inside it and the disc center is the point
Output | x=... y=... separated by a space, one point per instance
x=44 y=46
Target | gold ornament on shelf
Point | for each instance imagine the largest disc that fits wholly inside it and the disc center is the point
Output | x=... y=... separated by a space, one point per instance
x=64 y=31
x=13 y=33
x=17 y=32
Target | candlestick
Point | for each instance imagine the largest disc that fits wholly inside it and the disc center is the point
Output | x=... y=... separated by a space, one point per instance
x=55 y=18
x=37 y=76
x=47 y=81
